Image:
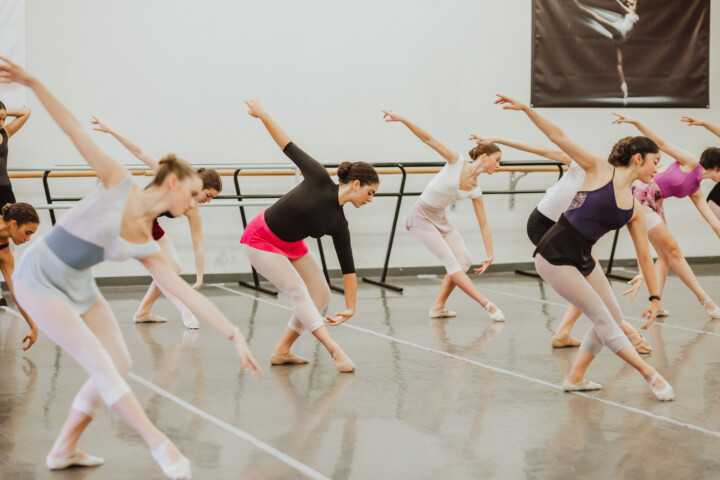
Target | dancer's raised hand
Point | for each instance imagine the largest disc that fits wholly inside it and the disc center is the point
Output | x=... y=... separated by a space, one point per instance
x=99 y=125
x=624 y=119
x=692 y=122
x=509 y=103
x=255 y=108
x=391 y=116
x=12 y=72
x=483 y=140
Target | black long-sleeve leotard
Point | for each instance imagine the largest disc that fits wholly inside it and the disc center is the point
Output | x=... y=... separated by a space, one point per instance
x=312 y=209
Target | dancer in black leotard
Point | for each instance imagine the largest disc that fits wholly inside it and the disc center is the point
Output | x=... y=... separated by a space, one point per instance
x=563 y=256
x=274 y=242
x=7 y=131
x=17 y=222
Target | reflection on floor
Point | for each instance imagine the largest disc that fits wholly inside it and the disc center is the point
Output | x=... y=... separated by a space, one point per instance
x=450 y=398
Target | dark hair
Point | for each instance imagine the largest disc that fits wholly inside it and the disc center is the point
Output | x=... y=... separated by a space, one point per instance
x=710 y=158
x=170 y=164
x=479 y=150
x=363 y=172
x=2 y=106
x=210 y=178
x=626 y=147
x=22 y=213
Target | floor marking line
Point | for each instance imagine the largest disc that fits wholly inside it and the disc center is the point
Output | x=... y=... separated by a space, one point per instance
x=297 y=465
x=645 y=413
x=12 y=312
x=223 y=287
x=634 y=319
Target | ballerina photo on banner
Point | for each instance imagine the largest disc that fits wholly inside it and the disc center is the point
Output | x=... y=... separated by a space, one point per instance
x=615 y=53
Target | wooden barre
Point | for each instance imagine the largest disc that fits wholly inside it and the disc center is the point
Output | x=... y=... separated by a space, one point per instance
x=269 y=173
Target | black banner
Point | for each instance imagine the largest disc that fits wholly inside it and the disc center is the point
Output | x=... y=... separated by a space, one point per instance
x=610 y=53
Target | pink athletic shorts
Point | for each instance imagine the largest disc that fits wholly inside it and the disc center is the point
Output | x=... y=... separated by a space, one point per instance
x=258 y=235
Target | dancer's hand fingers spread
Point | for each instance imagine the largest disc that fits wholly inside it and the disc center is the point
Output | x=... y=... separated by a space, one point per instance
x=636 y=283
x=651 y=313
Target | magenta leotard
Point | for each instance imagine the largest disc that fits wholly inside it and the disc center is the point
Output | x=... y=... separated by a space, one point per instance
x=673 y=182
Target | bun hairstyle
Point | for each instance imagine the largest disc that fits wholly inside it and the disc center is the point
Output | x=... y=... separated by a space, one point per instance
x=479 y=150
x=170 y=164
x=363 y=172
x=710 y=158
x=210 y=178
x=22 y=213
x=626 y=147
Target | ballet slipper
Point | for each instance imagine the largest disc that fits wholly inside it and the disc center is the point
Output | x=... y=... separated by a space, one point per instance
x=713 y=312
x=289 y=359
x=444 y=313
x=74 y=458
x=497 y=315
x=663 y=313
x=180 y=469
x=343 y=367
x=149 y=318
x=563 y=342
x=638 y=341
x=189 y=320
x=583 y=385
x=665 y=394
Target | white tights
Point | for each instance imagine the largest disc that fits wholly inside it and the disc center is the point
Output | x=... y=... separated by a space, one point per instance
x=301 y=280
x=449 y=249
x=594 y=297
x=93 y=339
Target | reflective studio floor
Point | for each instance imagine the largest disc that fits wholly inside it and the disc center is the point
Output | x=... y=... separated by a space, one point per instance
x=449 y=399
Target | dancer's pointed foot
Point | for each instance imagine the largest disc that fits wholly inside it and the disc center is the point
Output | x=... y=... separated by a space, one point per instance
x=443 y=313
x=343 y=362
x=149 y=318
x=638 y=341
x=173 y=463
x=583 y=385
x=660 y=388
x=711 y=308
x=496 y=315
x=289 y=359
x=189 y=320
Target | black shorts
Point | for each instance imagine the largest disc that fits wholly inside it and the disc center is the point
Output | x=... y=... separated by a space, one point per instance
x=563 y=244
x=537 y=226
x=714 y=195
x=6 y=195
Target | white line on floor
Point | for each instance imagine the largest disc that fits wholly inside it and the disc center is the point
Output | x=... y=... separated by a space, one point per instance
x=504 y=371
x=274 y=304
x=12 y=311
x=299 y=466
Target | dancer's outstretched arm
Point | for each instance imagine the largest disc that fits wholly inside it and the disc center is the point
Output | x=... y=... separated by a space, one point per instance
x=693 y=122
x=110 y=171
x=683 y=157
x=450 y=156
x=7 y=266
x=701 y=204
x=638 y=233
x=195 y=222
x=584 y=157
x=541 y=150
x=169 y=281
x=21 y=116
x=486 y=233
x=256 y=109
x=141 y=154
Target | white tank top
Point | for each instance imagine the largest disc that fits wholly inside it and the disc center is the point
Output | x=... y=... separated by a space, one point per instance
x=444 y=189
x=557 y=198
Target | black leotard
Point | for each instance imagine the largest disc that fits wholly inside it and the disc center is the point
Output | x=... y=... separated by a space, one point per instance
x=311 y=209
x=4 y=179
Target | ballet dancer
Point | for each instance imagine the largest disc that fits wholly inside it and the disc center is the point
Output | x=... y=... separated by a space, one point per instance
x=557 y=199
x=55 y=285
x=428 y=220
x=562 y=258
x=615 y=26
x=18 y=221
x=274 y=242
x=6 y=131
x=679 y=179
x=212 y=186
x=713 y=198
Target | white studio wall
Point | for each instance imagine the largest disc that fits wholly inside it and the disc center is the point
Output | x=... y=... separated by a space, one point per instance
x=172 y=76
